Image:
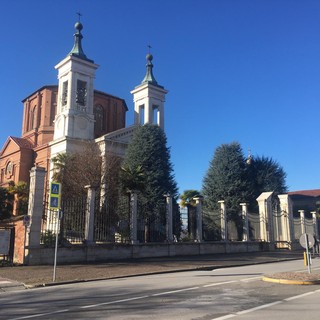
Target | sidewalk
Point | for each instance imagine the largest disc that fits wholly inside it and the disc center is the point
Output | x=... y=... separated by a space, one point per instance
x=12 y=278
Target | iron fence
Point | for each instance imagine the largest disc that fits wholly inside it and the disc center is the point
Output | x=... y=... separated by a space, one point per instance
x=112 y=220
x=211 y=225
x=73 y=220
x=254 y=226
x=151 y=221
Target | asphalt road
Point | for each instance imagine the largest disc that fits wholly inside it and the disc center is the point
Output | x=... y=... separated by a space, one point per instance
x=236 y=292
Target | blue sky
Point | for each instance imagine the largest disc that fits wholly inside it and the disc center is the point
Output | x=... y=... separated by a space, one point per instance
x=236 y=70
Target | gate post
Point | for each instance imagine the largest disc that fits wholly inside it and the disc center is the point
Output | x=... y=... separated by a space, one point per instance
x=315 y=224
x=303 y=221
x=286 y=218
x=198 y=201
x=35 y=205
x=133 y=217
x=169 y=227
x=224 y=222
x=245 y=220
x=265 y=212
x=89 y=227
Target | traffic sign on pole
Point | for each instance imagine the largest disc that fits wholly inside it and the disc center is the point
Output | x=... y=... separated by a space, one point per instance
x=55 y=195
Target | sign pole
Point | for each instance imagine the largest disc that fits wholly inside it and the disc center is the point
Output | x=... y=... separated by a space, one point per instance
x=55 y=201
x=56 y=248
x=307 y=241
x=307 y=251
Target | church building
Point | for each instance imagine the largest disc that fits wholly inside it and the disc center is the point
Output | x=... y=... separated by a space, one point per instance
x=60 y=118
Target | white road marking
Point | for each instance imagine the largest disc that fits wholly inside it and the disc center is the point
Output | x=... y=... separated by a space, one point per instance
x=231 y=315
x=299 y=296
x=228 y=316
x=259 y=307
x=250 y=279
x=41 y=314
x=219 y=283
x=174 y=291
x=112 y=302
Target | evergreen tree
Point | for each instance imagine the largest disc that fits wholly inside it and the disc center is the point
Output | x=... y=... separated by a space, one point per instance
x=265 y=175
x=233 y=179
x=149 y=157
x=226 y=178
x=148 y=152
x=268 y=175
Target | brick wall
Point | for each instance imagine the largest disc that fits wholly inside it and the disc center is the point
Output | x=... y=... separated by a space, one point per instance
x=18 y=255
x=17 y=228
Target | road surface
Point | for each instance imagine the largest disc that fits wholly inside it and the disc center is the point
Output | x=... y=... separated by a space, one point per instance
x=231 y=293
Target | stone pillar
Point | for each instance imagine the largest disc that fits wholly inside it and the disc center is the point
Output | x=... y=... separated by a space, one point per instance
x=303 y=221
x=245 y=220
x=315 y=224
x=286 y=218
x=35 y=206
x=89 y=227
x=169 y=224
x=198 y=201
x=133 y=217
x=265 y=212
x=224 y=222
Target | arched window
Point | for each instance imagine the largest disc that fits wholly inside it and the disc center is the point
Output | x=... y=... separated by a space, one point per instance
x=99 y=126
x=9 y=169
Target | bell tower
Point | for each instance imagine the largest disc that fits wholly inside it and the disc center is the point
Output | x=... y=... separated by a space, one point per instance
x=74 y=121
x=149 y=98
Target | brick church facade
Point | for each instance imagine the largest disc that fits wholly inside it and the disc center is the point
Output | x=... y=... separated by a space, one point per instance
x=60 y=118
x=19 y=154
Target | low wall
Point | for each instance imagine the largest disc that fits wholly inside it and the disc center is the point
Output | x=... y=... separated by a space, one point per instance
x=105 y=252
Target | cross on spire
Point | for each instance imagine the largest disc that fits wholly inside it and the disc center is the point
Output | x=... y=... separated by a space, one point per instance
x=79 y=16
x=149 y=47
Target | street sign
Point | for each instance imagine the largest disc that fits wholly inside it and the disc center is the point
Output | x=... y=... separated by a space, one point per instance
x=307 y=238
x=55 y=195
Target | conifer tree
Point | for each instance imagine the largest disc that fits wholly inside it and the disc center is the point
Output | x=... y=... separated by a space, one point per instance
x=149 y=156
x=226 y=178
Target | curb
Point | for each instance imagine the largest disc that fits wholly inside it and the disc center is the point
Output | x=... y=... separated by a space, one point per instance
x=286 y=281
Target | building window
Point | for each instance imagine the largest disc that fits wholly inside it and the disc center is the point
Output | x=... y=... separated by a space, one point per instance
x=64 y=97
x=9 y=170
x=141 y=115
x=81 y=95
x=156 y=115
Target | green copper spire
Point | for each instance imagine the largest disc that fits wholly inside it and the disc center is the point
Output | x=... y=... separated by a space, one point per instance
x=77 y=50
x=149 y=77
